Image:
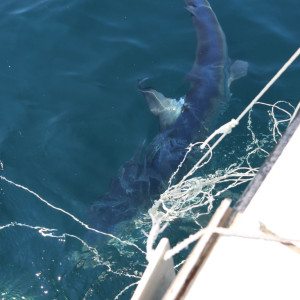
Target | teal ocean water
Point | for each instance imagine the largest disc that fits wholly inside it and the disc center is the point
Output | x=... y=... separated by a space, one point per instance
x=71 y=115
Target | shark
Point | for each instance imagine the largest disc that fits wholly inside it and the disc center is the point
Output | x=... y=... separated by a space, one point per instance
x=182 y=121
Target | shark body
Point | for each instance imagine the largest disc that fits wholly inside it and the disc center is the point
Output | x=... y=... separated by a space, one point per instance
x=182 y=122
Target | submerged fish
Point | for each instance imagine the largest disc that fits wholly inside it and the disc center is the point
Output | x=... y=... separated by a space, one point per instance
x=181 y=121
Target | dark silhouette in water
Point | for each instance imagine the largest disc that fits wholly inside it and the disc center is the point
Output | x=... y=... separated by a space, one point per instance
x=144 y=177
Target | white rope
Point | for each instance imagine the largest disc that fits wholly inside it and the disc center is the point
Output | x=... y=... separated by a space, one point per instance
x=229 y=233
x=295 y=112
x=73 y=217
x=270 y=83
x=125 y=289
x=224 y=129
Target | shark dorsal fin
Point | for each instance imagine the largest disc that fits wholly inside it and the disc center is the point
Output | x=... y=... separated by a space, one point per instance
x=167 y=109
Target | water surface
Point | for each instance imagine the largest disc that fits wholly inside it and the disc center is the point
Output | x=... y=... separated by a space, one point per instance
x=71 y=115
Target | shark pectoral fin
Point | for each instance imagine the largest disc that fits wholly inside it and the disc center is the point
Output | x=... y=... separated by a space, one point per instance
x=238 y=70
x=191 y=9
x=156 y=101
x=166 y=109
